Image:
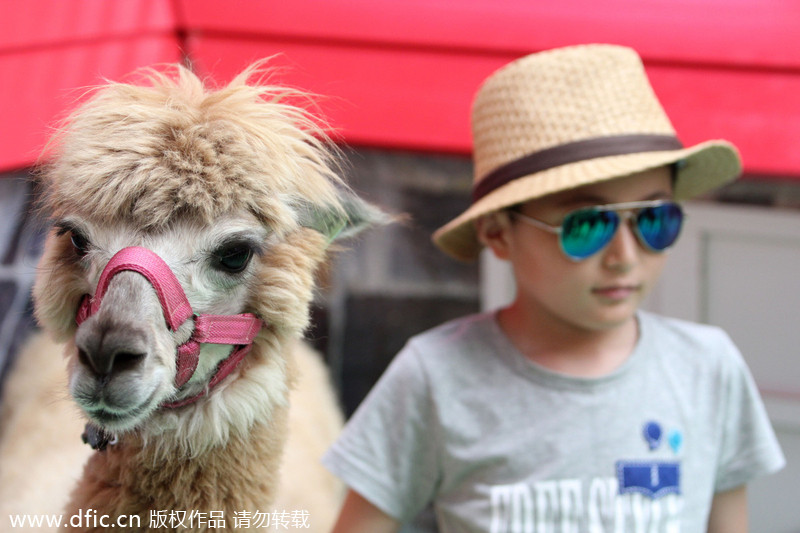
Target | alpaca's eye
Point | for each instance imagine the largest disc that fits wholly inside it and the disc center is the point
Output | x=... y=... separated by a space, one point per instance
x=80 y=243
x=233 y=258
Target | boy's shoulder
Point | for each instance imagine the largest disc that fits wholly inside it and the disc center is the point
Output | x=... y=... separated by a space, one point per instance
x=463 y=329
x=458 y=355
x=679 y=336
x=680 y=328
x=460 y=342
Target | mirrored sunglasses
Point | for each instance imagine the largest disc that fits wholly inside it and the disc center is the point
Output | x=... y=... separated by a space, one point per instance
x=586 y=231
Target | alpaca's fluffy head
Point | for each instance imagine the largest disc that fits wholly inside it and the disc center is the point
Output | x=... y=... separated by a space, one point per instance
x=174 y=149
x=194 y=175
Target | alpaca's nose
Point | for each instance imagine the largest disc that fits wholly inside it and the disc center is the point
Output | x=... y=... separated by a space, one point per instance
x=116 y=338
x=107 y=350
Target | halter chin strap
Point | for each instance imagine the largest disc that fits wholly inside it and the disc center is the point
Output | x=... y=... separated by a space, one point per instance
x=237 y=330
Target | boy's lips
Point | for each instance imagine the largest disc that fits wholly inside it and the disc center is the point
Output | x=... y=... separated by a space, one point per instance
x=616 y=292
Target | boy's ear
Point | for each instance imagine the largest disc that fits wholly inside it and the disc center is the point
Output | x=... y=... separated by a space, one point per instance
x=335 y=223
x=492 y=230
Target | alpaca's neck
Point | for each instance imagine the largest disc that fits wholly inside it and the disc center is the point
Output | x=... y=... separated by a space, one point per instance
x=130 y=478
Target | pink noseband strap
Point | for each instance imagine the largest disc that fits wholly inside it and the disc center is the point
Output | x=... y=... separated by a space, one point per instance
x=177 y=308
x=238 y=330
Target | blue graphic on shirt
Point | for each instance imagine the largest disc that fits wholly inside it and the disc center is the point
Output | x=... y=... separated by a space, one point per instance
x=652 y=434
x=675 y=439
x=650 y=478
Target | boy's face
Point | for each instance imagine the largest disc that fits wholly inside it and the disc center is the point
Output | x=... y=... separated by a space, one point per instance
x=600 y=292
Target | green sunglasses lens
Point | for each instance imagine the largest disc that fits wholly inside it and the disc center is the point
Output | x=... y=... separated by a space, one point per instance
x=660 y=226
x=586 y=231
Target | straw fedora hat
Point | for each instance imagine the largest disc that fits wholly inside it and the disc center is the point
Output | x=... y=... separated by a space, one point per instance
x=569 y=117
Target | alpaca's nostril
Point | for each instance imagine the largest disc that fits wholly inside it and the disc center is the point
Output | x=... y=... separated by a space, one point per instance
x=84 y=359
x=96 y=362
x=127 y=360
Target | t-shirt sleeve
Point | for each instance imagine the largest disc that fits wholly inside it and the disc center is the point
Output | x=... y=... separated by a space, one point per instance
x=387 y=451
x=749 y=446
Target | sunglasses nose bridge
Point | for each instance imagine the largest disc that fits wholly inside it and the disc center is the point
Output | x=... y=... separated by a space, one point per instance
x=630 y=218
x=627 y=222
x=625 y=215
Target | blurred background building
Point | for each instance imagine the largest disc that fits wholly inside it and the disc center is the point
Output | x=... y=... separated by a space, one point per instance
x=396 y=80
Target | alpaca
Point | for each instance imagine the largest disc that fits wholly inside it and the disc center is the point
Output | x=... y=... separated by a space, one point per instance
x=188 y=225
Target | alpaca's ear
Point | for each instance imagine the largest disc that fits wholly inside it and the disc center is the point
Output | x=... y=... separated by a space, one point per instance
x=355 y=215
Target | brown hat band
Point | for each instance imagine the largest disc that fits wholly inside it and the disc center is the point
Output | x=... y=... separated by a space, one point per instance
x=572 y=153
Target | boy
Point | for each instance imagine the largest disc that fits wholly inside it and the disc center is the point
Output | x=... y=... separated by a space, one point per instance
x=569 y=410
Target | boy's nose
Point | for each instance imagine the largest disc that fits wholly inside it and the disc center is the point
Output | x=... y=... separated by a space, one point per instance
x=622 y=252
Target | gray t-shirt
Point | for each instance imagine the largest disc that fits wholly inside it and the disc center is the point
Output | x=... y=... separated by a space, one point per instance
x=462 y=421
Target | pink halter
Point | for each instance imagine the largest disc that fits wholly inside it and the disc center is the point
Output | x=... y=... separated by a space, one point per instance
x=238 y=330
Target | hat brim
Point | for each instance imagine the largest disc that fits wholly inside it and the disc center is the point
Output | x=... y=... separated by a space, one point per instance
x=706 y=166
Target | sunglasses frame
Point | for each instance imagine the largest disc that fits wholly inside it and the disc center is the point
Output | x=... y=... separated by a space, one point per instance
x=624 y=210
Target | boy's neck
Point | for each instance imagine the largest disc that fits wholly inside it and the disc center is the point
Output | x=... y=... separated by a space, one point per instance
x=566 y=348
